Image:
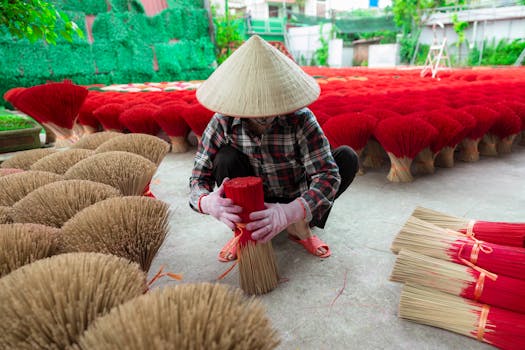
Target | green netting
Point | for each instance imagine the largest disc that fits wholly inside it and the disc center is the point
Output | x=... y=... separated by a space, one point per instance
x=33 y=59
x=121 y=77
x=90 y=7
x=127 y=6
x=172 y=19
x=349 y=25
x=184 y=23
x=146 y=29
x=195 y=23
x=111 y=26
x=105 y=56
x=11 y=64
x=165 y=54
x=5 y=37
x=193 y=54
x=135 y=61
x=198 y=74
x=156 y=31
x=185 y=3
x=142 y=62
x=67 y=60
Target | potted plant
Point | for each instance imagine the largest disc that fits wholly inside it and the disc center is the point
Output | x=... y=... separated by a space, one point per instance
x=18 y=133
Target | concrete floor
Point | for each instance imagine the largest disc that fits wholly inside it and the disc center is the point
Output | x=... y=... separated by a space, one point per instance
x=363 y=222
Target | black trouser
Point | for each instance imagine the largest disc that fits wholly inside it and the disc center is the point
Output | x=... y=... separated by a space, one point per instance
x=231 y=163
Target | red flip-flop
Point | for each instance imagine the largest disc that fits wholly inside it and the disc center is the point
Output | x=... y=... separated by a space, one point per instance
x=229 y=249
x=311 y=244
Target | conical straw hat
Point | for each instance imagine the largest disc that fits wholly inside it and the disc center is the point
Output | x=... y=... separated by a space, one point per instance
x=257 y=80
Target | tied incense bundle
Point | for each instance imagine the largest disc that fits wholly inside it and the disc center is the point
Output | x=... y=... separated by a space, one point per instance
x=471 y=283
x=424 y=238
x=501 y=328
x=257 y=267
x=504 y=233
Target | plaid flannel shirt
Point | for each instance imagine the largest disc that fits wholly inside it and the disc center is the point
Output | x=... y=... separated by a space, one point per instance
x=292 y=157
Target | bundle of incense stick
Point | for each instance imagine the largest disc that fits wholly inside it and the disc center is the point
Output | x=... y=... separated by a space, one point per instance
x=468 y=282
x=257 y=267
x=428 y=239
x=505 y=233
x=501 y=328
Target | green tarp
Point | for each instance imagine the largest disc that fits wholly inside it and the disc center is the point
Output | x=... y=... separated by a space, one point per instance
x=349 y=25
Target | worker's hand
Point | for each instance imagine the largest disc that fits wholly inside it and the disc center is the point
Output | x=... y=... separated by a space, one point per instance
x=267 y=223
x=221 y=208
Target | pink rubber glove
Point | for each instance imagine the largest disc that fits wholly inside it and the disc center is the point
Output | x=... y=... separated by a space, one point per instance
x=221 y=208
x=267 y=223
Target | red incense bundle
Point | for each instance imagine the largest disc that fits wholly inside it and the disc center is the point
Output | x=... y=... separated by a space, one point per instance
x=403 y=138
x=257 y=267
x=424 y=238
x=56 y=105
x=504 y=233
x=197 y=117
x=108 y=116
x=169 y=117
x=353 y=129
x=445 y=143
x=139 y=119
x=506 y=128
x=485 y=119
x=501 y=328
x=468 y=282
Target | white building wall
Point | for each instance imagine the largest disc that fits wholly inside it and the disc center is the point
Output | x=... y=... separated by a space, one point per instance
x=304 y=41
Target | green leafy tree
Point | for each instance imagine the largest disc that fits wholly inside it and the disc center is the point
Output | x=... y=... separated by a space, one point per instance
x=228 y=35
x=409 y=16
x=321 y=54
x=35 y=20
x=459 y=28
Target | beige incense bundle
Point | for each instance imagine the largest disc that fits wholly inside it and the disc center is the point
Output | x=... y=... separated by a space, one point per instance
x=130 y=227
x=257 y=266
x=21 y=244
x=23 y=160
x=60 y=162
x=6 y=215
x=187 y=316
x=148 y=146
x=128 y=172
x=92 y=141
x=55 y=203
x=9 y=171
x=49 y=303
x=17 y=186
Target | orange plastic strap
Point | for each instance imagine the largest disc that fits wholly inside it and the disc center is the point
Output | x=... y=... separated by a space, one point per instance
x=470 y=228
x=480 y=283
x=476 y=248
x=160 y=274
x=233 y=243
x=483 y=321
